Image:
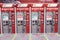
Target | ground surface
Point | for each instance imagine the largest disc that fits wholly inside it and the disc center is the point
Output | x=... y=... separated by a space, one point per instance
x=30 y=36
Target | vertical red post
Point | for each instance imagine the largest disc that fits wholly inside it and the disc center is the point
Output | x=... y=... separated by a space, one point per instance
x=13 y=21
x=56 y=22
x=42 y=22
x=27 y=22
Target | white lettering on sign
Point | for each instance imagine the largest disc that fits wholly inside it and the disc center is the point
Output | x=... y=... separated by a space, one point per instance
x=37 y=5
x=52 y=5
x=7 y=5
x=22 y=5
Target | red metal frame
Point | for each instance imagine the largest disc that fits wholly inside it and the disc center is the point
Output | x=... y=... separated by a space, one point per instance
x=40 y=9
x=54 y=9
x=7 y=9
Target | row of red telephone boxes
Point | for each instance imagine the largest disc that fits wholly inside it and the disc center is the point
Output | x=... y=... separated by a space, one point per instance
x=28 y=7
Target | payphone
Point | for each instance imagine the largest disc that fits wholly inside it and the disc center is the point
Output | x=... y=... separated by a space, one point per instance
x=35 y=22
x=22 y=19
x=21 y=22
x=51 y=20
x=8 y=20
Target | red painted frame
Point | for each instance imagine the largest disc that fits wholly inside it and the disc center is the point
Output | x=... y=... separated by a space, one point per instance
x=7 y=9
x=54 y=9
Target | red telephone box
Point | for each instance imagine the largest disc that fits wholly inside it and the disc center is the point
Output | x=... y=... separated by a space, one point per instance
x=37 y=18
x=22 y=18
x=7 y=18
x=51 y=25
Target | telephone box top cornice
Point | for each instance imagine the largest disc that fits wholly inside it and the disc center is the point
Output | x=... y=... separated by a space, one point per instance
x=6 y=5
x=30 y=5
x=9 y=5
x=37 y=5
